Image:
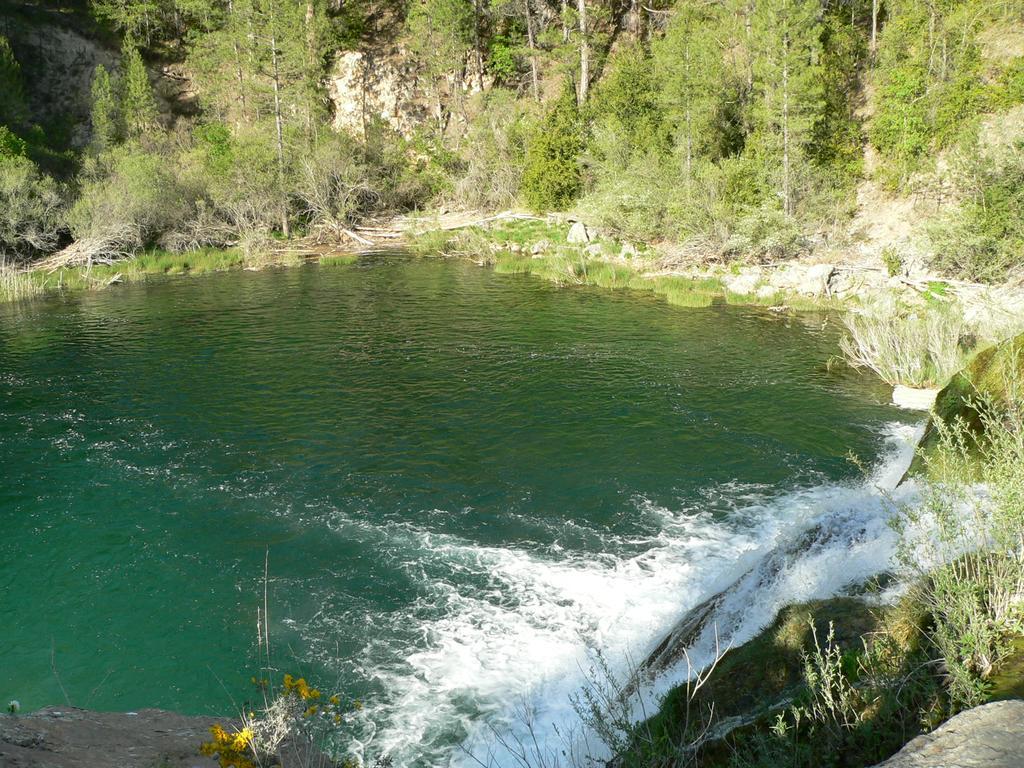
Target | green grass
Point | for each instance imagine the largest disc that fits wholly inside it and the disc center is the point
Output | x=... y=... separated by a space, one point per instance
x=339 y=259
x=17 y=286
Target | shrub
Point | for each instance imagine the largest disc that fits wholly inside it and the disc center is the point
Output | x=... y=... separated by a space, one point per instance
x=495 y=153
x=131 y=200
x=968 y=547
x=984 y=239
x=332 y=185
x=31 y=209
x=907 y=346
x=551 y=178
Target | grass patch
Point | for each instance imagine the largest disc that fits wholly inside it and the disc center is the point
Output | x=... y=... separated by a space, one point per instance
x=339 y=259
x=15 y=286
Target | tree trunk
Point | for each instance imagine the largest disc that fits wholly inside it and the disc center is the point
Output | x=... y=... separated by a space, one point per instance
x=787 y=205
x=476 y=46
x=689 y=117
x=533 y=51
x=874 y=25
x=581 y=6
x=278 y=121
x=311 y=68
x=238 y=62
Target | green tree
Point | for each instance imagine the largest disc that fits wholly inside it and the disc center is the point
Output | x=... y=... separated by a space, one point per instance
x=688 y=62
x=104 y=114
x=628 y=110
x=441 y=34
x=786 y=39
x=551 y=178
x=138 y=104
x=13 y=110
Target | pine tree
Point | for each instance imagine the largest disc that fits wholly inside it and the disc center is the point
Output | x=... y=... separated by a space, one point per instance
x=13 y=110
x=104 y=114
x=786 y=40
x=138 y=104
x=688 y=62
x=441 y=35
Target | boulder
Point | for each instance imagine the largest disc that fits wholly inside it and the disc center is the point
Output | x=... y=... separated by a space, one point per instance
x=989 y=736
x=817 y=280
x=541 y=246
x=628 y=251
x=744 y=283
x=578 y=234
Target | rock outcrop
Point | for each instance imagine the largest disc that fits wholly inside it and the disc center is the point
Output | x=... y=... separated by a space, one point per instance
x=67 y=737
x=367 y=86
x=990 y=736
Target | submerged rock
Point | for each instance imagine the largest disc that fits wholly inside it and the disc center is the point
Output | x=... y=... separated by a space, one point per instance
x=990 y=736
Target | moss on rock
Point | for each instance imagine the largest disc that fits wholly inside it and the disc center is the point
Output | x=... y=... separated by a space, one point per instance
x=984 y=381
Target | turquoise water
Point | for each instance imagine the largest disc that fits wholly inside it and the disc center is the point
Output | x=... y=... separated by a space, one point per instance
x=464 y=481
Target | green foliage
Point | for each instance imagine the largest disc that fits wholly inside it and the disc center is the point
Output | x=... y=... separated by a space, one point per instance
x=105 y=113
x=13 y=110
x=789 y=96
x=11 y=145
x=138 y=104
x=440 y=33
x=931 y=82
x=691 y=69
x=629 y=120
x=501 y=61
x=551 y=178
x=893 y=261
x=31 y=209
x=836 y=142
x=984 y=239
x=495 y=152
x=132 y=199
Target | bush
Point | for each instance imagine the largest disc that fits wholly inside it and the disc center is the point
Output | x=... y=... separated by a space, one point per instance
x=132 y=200
x=495 y=153
x=31 y=209
x=919 y=347
x=984 y=239
x=332 y=185
x=551 y=178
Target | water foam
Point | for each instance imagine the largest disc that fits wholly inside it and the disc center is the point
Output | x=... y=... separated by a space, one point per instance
x=526 y=639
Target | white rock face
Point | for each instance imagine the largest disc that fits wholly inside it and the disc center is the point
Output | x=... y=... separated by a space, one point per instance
x=365 y=88
x=578 y=234
x=58 y=64
x=914 y=399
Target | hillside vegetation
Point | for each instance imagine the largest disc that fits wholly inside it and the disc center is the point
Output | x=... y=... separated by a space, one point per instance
x=735 y=129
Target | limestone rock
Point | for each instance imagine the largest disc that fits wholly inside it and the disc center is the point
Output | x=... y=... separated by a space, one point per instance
x=578 y=234
x=990 y=736
x=817 y=280
x=744 y=283
x=913 y=398
x=541 y=246
x=364 y=88
x=628 y=251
